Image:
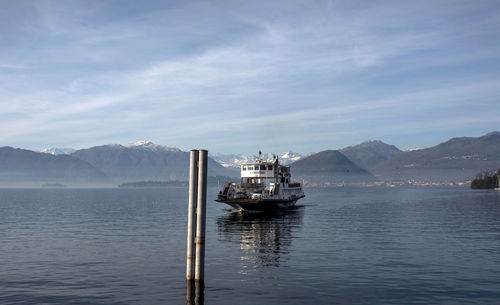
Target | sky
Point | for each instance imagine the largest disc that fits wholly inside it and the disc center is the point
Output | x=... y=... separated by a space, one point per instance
x=243 y=76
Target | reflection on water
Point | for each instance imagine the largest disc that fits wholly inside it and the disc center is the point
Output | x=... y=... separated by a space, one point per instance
x=349 y=245
x=264 y=238
x=195 y=293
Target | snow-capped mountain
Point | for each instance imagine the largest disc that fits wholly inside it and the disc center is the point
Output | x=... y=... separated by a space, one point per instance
x=290 y=157
x=58 y=151
x=232 y=160
x=144 y=160
x=141 y=145
x=148 y=145
x=235 y=160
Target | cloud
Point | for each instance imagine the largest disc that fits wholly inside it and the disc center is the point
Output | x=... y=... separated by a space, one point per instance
x=189 y=71
x=12 y=66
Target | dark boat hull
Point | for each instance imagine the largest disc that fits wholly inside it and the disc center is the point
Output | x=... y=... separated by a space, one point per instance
x=260 y=204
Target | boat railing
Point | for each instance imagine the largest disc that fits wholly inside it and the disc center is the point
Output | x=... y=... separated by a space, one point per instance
x=251 y=185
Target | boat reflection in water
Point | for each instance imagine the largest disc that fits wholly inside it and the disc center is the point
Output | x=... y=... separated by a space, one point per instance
x=265 y=238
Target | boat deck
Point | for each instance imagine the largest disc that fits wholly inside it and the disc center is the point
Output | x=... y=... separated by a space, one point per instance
x=260 y=204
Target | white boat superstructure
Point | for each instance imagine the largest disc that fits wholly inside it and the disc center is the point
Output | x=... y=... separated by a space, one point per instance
x=264 y=185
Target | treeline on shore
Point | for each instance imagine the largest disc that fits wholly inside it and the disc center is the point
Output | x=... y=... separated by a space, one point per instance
x=486 y=180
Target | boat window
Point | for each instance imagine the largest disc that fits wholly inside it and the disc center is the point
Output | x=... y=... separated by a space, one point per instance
x=262 y=167
x=270 y=167
x=250 y=167
x=244 y=168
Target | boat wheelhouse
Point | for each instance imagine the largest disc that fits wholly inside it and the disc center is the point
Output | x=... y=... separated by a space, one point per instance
x=263 y=186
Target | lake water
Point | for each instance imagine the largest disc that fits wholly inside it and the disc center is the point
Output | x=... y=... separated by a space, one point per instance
x=339 y=246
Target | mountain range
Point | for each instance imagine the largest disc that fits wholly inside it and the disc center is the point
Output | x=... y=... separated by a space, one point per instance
x=458 y=159
x=145 y=160
x=21 y=166
x=99 y=165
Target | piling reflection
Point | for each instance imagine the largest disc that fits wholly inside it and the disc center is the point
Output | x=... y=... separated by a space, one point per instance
x=195 y=293
x=264 y=238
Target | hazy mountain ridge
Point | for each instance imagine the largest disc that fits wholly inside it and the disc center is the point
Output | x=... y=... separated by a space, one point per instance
x=26 y=166
x=145 y=145
x=329 y=166
x=456 y=159
x=370 y=153
x=145 y=161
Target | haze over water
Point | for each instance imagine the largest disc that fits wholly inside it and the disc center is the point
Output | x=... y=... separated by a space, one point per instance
x=341 y=245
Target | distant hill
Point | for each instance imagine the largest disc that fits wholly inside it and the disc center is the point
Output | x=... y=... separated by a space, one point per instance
x=455 y=160
x=21 y=166
x=145 y=161
x=369 y=154
x=329 y=166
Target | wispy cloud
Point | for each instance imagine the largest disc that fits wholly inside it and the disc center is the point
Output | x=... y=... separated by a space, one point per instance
x=191 y=72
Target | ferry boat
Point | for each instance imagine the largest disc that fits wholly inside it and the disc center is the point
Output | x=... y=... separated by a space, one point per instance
x=264 y=186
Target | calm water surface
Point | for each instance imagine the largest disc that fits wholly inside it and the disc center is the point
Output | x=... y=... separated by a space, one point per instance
x=340 y=246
